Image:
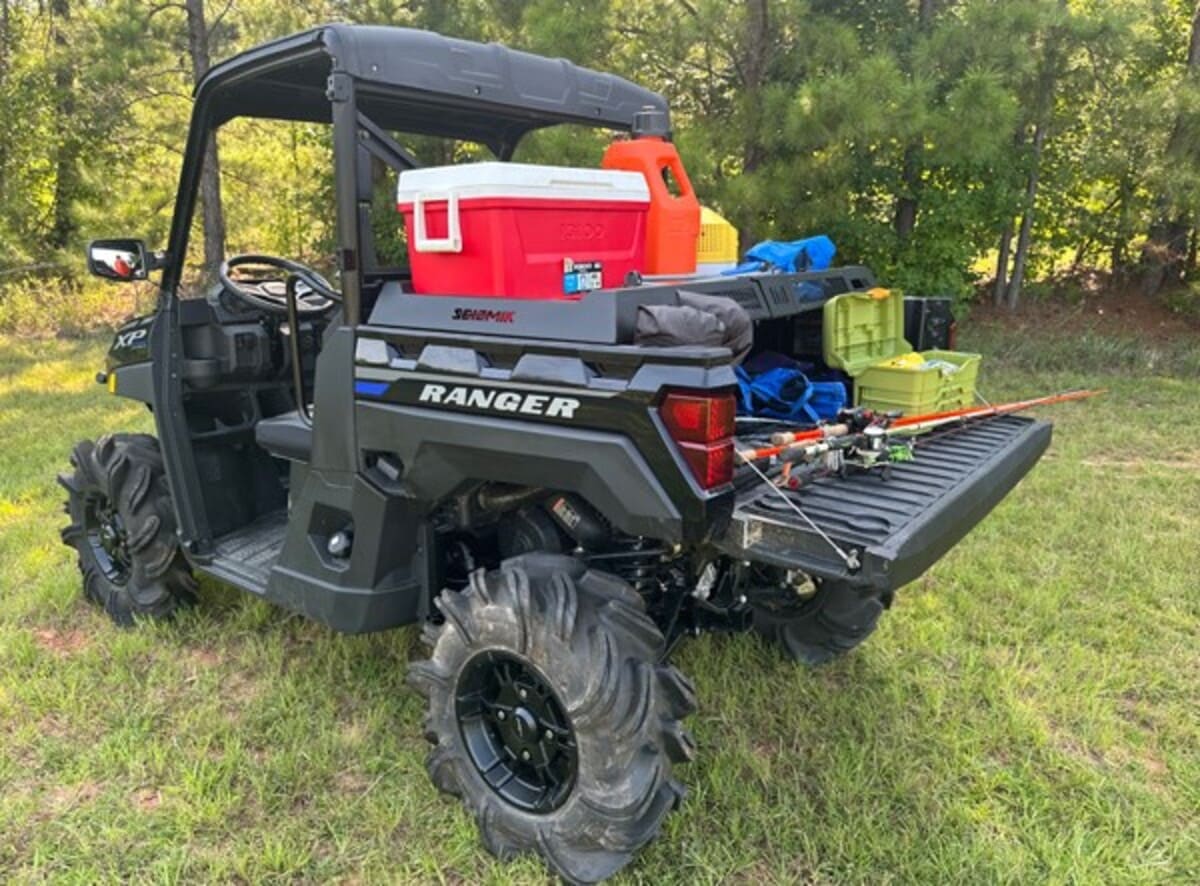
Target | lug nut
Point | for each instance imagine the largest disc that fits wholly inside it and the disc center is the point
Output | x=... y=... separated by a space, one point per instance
x=549 y=734
x=500 y=715
x=522 y=693
x=525 y=755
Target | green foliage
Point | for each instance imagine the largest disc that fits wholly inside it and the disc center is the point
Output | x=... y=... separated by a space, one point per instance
x=907 y=136
x=1185 y=302
x=41 y=306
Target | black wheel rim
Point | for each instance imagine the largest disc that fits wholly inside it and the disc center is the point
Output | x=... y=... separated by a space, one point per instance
x=108 y=539
x=516 y=731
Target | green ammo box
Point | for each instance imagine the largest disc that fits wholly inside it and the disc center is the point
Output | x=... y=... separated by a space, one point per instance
x=862 y=330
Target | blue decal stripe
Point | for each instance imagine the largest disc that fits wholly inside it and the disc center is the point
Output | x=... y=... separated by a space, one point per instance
x=370 y=388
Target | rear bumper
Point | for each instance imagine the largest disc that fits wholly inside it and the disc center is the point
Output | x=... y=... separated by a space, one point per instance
x=897 y=527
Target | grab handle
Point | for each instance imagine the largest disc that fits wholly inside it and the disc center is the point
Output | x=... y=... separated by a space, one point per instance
x=452 y=242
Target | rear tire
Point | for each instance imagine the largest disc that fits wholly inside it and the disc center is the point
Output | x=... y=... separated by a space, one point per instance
x=817 y=629
x=582 y=647
x=123 y=529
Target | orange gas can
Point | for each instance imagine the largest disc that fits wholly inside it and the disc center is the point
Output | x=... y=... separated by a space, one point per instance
x=673 y=225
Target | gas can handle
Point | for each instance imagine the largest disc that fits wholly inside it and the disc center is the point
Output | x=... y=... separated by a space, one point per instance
x=452 y=242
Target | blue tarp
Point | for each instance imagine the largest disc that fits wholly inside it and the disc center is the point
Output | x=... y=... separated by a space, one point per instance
x=809 y=254
x=786 y=393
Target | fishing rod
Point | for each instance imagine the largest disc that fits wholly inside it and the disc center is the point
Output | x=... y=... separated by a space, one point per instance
x=852 y=426
x=861 y=440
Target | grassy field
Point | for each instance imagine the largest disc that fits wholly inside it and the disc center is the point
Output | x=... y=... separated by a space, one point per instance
x=1028 y=712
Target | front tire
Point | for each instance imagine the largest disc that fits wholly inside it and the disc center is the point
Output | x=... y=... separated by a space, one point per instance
x=552 y=716
x=123 y=529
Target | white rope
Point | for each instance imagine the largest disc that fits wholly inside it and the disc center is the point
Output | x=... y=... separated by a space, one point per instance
x=851 y=560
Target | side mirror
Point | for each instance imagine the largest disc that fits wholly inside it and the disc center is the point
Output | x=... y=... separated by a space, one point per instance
x=118 y=259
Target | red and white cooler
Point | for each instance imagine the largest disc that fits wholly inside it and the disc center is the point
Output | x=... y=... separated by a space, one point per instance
x=522 y=231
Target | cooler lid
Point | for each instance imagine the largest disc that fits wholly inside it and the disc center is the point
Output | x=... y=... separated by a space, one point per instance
x=861 y=329
x=524 y=180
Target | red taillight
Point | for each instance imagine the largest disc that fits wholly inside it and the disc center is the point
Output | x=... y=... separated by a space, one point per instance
x=702 y=425
x=711 y=463
x=699 y=418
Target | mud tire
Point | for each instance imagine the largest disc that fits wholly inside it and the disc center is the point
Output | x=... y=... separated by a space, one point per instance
x=121 y=476
x=832 y=622
x=588 y=635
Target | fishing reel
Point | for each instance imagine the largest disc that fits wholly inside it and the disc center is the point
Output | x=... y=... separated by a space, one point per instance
x=858 y=441
x=860 y=419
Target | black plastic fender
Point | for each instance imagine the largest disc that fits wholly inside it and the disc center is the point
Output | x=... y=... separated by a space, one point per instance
x=441 y=450
x=129 y=371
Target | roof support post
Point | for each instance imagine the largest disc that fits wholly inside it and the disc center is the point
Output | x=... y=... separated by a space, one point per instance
x=345 y=163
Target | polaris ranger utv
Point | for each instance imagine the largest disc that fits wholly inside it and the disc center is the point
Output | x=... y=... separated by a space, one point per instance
x=555 y=504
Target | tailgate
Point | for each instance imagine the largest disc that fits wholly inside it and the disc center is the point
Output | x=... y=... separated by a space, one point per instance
x=897 y=527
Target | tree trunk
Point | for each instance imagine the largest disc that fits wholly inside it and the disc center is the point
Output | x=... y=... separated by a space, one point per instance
x=1001 y=284
x=1166 y=247
x=1047 y=86
x=210 y=175
x=908 y=200
x=1118 y=246
x=1165 y=251
x=1118 y=255
x=906 y=204
x=1021 y=256
x=754 y=67
x=66 y=172
x=756 y=49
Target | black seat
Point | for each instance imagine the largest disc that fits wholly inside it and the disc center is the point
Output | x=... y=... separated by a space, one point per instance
x=285 y=436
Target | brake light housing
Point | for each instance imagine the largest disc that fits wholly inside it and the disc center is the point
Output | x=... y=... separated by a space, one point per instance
x=701 y=424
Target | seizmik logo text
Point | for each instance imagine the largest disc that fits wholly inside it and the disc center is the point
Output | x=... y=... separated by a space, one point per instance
x=483 y=315
x=501 y=401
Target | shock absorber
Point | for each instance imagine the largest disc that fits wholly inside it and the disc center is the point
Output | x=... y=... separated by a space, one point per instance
x=637 y=560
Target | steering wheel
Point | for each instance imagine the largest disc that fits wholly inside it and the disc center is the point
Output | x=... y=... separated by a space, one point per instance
x=314 y=294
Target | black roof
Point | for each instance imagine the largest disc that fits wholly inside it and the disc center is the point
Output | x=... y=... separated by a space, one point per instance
x=420 y=82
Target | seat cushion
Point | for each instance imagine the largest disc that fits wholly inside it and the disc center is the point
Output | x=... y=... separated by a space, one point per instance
x=285 y=436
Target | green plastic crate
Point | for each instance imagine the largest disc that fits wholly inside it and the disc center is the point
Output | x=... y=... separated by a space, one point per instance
x=864 y=329
x=921 y=390
x=861 y=329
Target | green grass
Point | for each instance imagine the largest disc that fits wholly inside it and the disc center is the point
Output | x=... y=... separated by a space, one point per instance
x=1086 y=350
x=1028 y=712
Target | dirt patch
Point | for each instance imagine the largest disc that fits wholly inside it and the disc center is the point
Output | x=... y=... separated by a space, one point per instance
x=61 y=643
x=768 y=748
x=1146 y=756
x=237 y=692
x=352 y=782
x=52 y=726
x=60 y=799
x=798 y=872
x=1091 y=304
x=1073 y=747
x=147 y=799
x=204 y=658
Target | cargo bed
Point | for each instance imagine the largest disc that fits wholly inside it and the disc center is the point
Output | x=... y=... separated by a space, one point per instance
x=895 y=527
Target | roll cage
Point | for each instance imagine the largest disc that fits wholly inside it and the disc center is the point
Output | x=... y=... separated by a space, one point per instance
x=365 y=81
x=368 y=81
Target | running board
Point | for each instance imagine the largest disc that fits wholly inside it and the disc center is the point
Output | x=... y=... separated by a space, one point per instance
x=244 y=557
